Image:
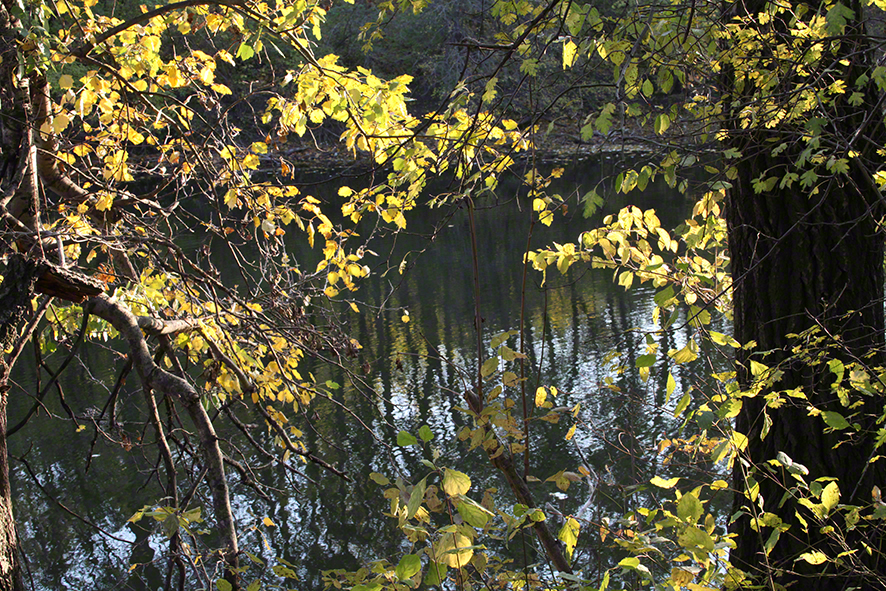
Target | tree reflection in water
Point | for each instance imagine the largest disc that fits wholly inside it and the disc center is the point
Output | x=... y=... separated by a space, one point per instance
x=411 y=374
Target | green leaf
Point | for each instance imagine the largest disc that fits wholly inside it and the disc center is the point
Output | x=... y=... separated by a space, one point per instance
x=404 y=439
x=245 y=51
x=529 y=66
x=692 y=538
x=170 y=525
x=489 y=92
x=223 y=585
x=416 y=498
x=689 y=508
x=604 y=120
x=834 y=420
x=837 y=17
x=455 y=483
x=435 y=574
x=683 y=404
x=808 y=179
x=631 y=562
x=425 y=433
x=255 y=559
x=254 y=586
x=473 y=513
x=281 y=570
x=837 y=368
x=647 y=89
x=670 y=386
x=771 y=541
x=645 y=361
x=591 y=199
x=489 y=367
x=379 y=478
x=499 y=339
x=662 y=123
x=407 y=568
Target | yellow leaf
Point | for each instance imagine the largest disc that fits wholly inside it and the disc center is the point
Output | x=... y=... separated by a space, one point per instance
x=830 y=496
x=251 y=161
x=231 y=198
x=207 y=75
x=267 y=521
x=681 y=577
x=814 y=557
x=60 y=122
x=66 y=81
x=455 y=483
x=452 y=550
x=174 y=77
x=569 y=54
x=540 y=396
x=664 y=483
x=151 y=43
x=105 y=200
x=570 y=433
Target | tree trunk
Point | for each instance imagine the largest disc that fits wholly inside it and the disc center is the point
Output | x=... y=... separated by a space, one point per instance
x=801 y=261
x=10 y=568
x=19 y=278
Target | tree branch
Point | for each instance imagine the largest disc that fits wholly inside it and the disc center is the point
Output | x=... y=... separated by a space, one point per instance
x=155 y=378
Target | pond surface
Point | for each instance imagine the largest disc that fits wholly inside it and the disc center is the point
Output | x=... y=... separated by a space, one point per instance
x=74 y=526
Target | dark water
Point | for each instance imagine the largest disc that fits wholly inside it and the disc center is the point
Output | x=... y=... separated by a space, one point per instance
x=578 y=328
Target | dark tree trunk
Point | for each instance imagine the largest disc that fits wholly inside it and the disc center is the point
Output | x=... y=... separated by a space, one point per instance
x=16 y=290
x=801 y=261
x=10 y=568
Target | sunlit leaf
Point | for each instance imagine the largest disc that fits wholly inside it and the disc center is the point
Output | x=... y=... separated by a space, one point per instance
x=689 y=508
x=814 y=557
x=569 y=49
x=454 y=550
x=569 y=535
x=455 y=483
x=408 y=567
x=830 y=496
x=664 y=482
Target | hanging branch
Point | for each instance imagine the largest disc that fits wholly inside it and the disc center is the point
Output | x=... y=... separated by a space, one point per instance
x=155 y=378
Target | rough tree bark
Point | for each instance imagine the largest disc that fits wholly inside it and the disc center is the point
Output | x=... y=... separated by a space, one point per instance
x=16 y=291
x=800 y=261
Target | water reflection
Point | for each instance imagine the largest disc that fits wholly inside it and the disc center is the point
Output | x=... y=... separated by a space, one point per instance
x=407 y=375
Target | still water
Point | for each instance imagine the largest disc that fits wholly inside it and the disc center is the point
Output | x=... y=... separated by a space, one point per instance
x=75 y=489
